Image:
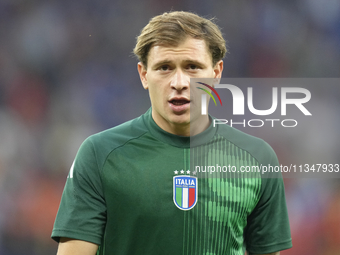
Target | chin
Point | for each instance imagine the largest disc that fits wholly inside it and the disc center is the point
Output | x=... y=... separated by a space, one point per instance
x=180 y=121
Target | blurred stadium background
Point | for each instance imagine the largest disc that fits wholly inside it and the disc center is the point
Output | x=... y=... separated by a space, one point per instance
x=67 y=71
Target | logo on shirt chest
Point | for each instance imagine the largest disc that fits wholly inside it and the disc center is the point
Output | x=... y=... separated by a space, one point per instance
x=185 y=191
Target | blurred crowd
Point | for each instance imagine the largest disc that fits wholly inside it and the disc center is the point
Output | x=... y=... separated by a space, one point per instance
x=67 y=71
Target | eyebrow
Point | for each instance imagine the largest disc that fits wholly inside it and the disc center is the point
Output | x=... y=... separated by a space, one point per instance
x=189 y=61
x=162 y=62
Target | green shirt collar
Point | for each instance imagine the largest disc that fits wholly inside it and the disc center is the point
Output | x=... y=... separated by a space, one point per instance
x=176 y=140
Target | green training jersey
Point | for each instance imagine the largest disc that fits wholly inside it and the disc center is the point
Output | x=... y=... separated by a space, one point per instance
x=136 y=189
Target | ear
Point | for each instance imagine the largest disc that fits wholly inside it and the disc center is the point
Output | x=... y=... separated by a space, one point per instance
x=218 y=69
x=142 y=75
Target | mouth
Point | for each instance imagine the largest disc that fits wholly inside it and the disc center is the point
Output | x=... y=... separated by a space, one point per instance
x=178 y=102
x=179 y=105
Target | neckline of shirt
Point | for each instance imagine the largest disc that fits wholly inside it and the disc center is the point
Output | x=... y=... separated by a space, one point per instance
x=176 y=140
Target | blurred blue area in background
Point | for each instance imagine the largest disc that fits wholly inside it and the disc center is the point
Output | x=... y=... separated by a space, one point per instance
x=67 y=71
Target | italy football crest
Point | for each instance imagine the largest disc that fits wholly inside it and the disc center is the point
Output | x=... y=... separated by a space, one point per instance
x=185 y=192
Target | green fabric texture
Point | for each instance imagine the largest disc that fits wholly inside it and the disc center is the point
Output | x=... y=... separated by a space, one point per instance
x=119 y=194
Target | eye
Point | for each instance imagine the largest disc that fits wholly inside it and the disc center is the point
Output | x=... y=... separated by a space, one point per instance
x=192 y=67
x=164 y=68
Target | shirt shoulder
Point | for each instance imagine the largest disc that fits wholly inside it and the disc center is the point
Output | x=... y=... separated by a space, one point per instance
x=103 y=143
x=256 y=147
x=120 y=134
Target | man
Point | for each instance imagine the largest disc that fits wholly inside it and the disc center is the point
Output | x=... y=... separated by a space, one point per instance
x=129 y=190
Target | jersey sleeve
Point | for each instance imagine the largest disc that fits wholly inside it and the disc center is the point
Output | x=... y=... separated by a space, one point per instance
x=82 y=210
x=267 y=227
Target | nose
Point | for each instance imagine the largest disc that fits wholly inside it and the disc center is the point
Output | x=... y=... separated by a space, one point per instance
x=180 y=81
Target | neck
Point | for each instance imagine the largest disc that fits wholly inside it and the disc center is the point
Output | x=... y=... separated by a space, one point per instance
x=187 y=129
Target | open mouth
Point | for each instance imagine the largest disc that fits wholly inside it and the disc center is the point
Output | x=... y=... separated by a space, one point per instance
x=179 y=102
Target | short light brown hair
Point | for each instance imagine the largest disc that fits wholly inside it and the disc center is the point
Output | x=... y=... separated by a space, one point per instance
x=174 y=27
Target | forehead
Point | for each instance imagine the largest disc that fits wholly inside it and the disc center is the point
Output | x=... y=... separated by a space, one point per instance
x=190 y=48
